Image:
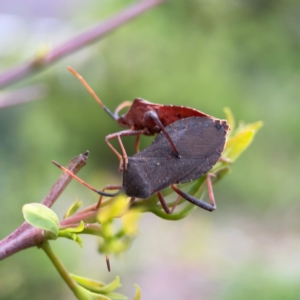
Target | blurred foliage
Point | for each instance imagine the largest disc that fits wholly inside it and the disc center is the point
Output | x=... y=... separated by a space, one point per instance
x=116 y=239
x=99 y=290
x=242 y=54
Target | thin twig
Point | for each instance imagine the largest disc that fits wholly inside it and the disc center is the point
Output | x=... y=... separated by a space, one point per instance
x=27 y=236
x=25 y=69
x=75 y=288
x=27 y=94
x=74 y=166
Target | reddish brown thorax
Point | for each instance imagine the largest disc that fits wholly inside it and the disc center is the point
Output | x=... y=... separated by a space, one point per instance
x=167 y=114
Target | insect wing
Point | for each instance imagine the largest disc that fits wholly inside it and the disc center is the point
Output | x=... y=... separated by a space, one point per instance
x=200 y=142
x=169 y=114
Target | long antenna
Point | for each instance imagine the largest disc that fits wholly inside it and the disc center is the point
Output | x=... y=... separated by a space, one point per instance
x=92 y=92
x=83 y=182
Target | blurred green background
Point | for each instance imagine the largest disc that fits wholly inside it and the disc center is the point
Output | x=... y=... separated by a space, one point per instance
x=205 y=54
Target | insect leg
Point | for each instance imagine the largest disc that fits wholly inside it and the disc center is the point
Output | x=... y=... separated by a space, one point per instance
x=197 y=202
x=121 y=106
x=137 y=143
x=210 y=189
x=225 y=160
x=132 y=199
x=108 y=187
x=175 y=204
x=163 y=203
x=153 y=115
x=118 y=135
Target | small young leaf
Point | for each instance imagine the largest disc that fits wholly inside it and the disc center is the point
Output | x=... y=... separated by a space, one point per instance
x=76 y=238
x=116 y=209
x=87 y=282
x=113 y=245
x=42 y=217
x=71 y=233
x=241 y=140
x=97 y=286
x=130 y=221
x=110 y=287
x=138 y=293
x=84 y=294
x=116 y=296
x=252 y=126
x=229 y=118
x=73 y=208
x=77 y=229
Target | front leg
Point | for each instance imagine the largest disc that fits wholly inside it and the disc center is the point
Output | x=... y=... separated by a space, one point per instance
x=118 y=135
x=152 y=115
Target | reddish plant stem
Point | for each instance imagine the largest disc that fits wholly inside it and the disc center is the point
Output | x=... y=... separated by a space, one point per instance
x=27 y=236
x=24 y=95
x=88 y=216
x=74 y=166
x=17 y=73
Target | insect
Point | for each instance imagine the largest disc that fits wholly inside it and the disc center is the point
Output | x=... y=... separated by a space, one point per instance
x=200 y=142
x=143 y=117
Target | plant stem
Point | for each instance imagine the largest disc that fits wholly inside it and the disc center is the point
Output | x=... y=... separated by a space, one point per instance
x=24 y=95
x=27 y=236
x=59 y=265
x=87 y=217
x=25 y=69
x=62 y=271
x=74 y=166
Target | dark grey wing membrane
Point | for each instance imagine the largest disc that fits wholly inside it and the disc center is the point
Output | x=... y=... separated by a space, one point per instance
x=200 y=142
x=201 y=138
x=145 y=176
x=194 y=137
x=150 y=176
x=200 y=146
x=160 y=146
x=153 y=174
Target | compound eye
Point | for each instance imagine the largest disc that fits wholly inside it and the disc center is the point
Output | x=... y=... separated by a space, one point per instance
x=218 y=125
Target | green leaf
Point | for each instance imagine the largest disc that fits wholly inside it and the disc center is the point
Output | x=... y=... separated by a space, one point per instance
x=84 y=294
x=116 y=296
x=113 y=245
x=71 y=233
x=73 y=208
x=116 y=209
x=42 y=217
x=110 y=287
x=130 y=222
x=72 y=236
x=138 y=293
x=219 y=174
x=87 y=282
x=241 y=140
x=77 y=229
x=229 y=118
x=97 y=286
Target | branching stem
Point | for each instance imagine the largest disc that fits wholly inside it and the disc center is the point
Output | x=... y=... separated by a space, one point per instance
x=91 y=35
x=27 y=236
